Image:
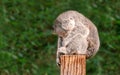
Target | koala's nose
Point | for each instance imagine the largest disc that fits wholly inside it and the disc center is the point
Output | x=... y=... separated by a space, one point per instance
x=54 y=32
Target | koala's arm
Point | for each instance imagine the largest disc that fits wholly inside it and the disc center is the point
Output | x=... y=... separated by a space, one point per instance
x=61 y=50
x=59 y=43
x=57 y=56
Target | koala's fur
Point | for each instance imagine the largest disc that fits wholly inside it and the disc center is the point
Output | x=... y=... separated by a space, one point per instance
x=76 y=35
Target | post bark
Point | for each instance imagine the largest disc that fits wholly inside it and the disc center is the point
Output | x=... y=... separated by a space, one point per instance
x=73 y=65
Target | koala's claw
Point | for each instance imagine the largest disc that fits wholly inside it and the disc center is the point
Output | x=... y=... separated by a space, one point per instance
x=58 y=62
x=61 y=51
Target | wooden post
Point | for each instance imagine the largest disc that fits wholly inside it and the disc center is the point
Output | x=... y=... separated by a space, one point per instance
x=73 y=64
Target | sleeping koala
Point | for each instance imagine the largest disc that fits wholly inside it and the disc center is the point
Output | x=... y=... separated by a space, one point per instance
x=76 y=35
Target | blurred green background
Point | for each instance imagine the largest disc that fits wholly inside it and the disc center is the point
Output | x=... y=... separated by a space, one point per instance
x=28 y=47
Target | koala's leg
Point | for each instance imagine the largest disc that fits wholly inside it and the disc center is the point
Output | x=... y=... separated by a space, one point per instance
x=60 y=51
x=79 y=45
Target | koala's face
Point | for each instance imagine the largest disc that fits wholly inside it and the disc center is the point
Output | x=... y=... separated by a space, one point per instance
x=64 y=25
x=59 y=30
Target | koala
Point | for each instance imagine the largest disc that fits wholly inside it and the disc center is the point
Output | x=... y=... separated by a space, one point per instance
x=76 y=35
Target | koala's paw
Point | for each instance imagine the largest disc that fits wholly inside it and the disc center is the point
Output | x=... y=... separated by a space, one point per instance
x=60 y=51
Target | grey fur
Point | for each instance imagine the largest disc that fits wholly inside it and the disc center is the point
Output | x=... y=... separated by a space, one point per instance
x=76 y=35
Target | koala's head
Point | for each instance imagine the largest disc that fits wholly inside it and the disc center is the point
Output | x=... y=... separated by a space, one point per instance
x=64 y=24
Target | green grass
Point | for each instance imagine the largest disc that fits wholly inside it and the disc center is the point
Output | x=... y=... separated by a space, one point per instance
x=28 y=47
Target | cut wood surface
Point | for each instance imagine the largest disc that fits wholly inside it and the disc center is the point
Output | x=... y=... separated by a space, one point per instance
x=73 y=65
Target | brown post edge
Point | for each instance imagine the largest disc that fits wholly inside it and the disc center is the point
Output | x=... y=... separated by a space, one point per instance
x=73 y=65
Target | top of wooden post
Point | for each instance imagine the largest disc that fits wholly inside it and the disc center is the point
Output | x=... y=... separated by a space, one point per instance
x=73 y=64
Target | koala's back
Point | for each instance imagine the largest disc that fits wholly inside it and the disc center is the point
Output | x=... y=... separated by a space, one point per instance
x=93 y=37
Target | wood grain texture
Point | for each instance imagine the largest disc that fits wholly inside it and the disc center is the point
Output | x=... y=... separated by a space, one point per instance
x=73 y=65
